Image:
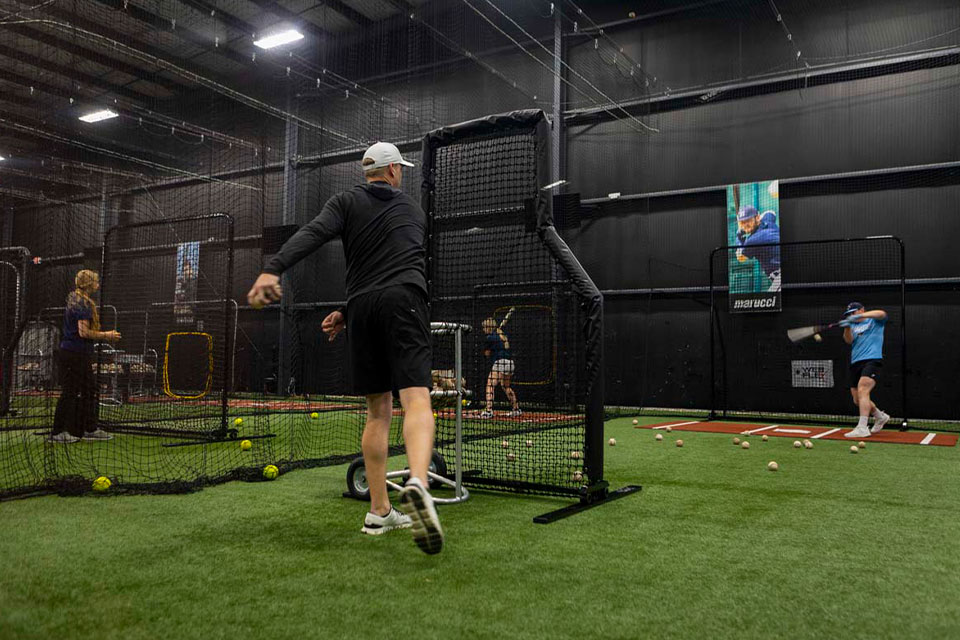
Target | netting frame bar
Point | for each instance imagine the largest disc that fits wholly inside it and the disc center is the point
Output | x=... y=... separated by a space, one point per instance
x=525 y=122
x=9 y=349
x=227 y=299
x=716 y=332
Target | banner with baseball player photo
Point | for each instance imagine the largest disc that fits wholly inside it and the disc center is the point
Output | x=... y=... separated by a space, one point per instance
x=753 y=228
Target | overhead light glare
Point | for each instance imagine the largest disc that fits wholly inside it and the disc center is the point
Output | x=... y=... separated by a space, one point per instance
x=2 y=158
x=279 y=39
x=97 y=116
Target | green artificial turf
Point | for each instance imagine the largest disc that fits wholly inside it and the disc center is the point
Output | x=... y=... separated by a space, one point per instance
x=833 y=545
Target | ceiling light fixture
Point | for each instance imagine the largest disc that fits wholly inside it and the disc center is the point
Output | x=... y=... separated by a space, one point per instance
x=97 y=116
x=278 y=39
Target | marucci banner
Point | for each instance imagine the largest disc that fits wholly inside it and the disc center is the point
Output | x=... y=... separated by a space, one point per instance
x=753 y=228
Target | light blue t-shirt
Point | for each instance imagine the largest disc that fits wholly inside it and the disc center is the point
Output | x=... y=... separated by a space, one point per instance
x=867 y=340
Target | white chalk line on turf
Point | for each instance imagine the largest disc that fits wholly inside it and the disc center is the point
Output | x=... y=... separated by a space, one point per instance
x=825 y=433
x=678 y=424
x=801 y=432
x=928 y=438
x=772 y=426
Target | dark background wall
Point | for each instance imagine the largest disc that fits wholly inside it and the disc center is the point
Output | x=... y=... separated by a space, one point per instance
x=731 y=102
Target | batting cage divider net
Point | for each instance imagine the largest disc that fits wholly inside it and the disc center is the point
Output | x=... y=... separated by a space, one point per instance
x=792 y=364
x=496 y=262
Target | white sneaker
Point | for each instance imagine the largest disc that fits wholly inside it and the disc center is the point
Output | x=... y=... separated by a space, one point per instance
x=859 y=432
x=63 y=438
x=95 y=436
x=417 y=503
x=879 y=423
x=374 y=525
x=486 y=415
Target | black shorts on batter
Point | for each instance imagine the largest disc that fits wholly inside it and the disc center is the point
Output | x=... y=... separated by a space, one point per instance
x=388 y=332
x=864 y=368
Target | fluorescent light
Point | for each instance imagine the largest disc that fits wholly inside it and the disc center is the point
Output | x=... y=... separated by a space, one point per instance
x=277 y=39
x=97 y=116
x=2 y=158
x=553 y=185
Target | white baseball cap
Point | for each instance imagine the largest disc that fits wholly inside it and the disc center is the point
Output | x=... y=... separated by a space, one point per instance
x=383 y=154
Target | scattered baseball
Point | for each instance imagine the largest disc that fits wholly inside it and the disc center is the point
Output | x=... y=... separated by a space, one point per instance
x=529 y=443
x=238 y=421
x=659 y=437
x=612 y=442
x=505 y=444
x=818 y=337
x=797 y=444
x=772 y=466
x=270 y=472
x=577 y=476
x=765 y=438
x=575 y=455
x=679 y=443
x=745 y=445
x=854 y=449
x=736 y=441
x=511 y=457
x=101 y=484
x=744 y=433
x=668 y=429
x=861 y=444
x=635 y=421
x=245 y=445
x=808 y=444
x=315 y=415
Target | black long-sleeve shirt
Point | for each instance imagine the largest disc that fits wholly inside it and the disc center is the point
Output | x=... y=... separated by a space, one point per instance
x=383 y=231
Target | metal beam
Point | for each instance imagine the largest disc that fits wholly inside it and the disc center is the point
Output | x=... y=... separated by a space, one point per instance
x=93 y=56
x=771 y=83
x=159 y=22
x=73 y=75
x=349 y=13
x=278 y=9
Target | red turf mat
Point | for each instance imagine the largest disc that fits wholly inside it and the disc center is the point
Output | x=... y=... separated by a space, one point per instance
x=889 y=436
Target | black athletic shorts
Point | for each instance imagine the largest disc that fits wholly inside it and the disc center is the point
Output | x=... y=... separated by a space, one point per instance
x=388 y=332
x=864 y=368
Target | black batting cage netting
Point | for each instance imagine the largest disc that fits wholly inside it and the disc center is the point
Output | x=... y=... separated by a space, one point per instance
x=497 y=263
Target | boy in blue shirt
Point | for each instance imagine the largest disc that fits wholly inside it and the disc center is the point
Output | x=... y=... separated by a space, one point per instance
x=864 y=333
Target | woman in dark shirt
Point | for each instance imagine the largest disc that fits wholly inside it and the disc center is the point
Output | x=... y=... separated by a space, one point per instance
x=76 y=415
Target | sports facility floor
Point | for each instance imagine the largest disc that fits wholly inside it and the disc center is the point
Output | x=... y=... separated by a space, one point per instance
x=833 y=545
x=890 y=435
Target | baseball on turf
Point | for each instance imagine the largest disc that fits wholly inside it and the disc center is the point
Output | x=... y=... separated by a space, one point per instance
x=575 y=455
x=745 y=445
x=505 y=444
x=245 y=445
x=635 y=421
x=818 y=337
x=529 y=443
x=238 y=421
x=736 y=441
x=612 y=442
x=101 y=484
x=270 y=472
x=577 y=476
x=861 y=444
x=808 y=444
x=668 y=429
x=679 y=443
x=797 y=444
x=511 y=457
x=765 y=438
x=659 y=437
x=314 y=415
x=854 y=449
x=773 y=466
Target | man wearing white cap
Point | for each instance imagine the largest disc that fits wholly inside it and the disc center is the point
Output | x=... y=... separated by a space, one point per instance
x=388 y=327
